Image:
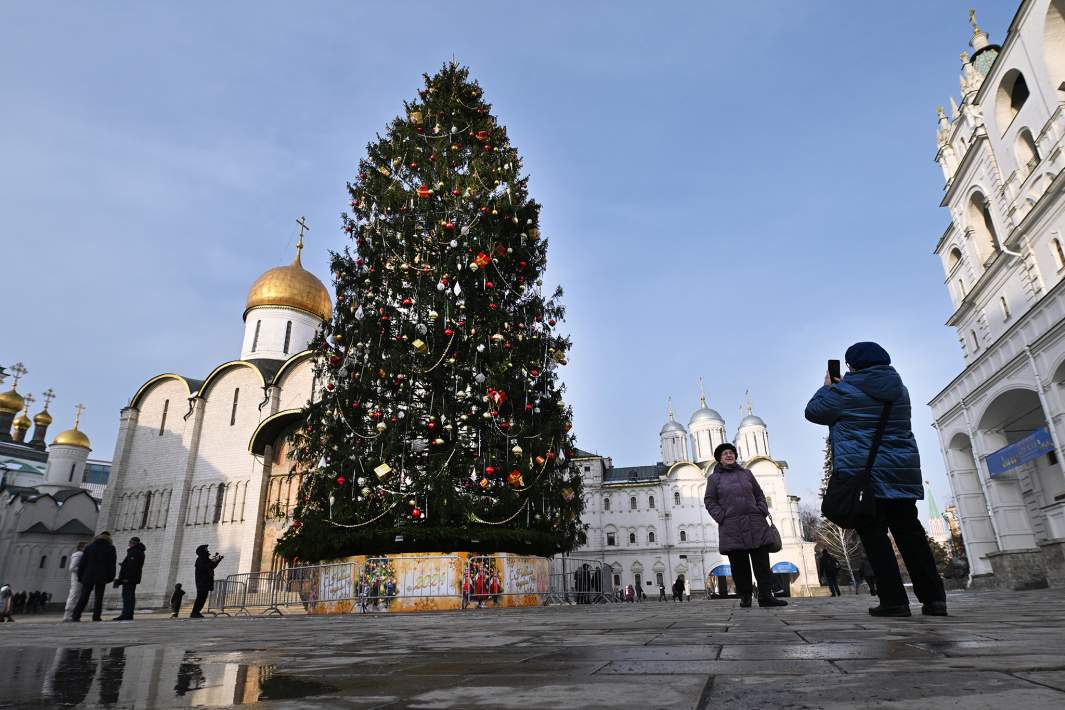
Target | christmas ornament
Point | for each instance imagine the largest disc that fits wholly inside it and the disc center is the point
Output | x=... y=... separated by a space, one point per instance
x=382 y=471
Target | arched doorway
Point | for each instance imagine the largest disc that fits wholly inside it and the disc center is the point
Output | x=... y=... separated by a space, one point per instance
x=1019 y=491
x=978 y=531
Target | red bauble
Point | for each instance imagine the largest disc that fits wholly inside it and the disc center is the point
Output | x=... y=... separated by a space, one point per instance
x=551 y=322
x=407 y=302
x=449 y=225
x=492 y=306
x=423 y=191
x=489 y=284
x=329 y=386
x=416 y=513
x=534 y=373
x=482 y=135
x=413 y=166
x=432 y=426
x=489 y=470
x=448 y=332
x=528 y=407
x=296 y=524
x=341 y=480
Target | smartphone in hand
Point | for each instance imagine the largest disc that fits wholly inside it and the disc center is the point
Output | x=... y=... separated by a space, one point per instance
x=834 y=370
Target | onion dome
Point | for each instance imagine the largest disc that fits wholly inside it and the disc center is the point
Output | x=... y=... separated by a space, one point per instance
x=291 y=286
x=73 y=437
x=22 y=422
x=752 y=420
x=672 y=425
x=11 y=402
x=42 y=418
x=704 y=413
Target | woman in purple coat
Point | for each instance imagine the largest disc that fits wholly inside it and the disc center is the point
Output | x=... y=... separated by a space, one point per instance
x=735 y=500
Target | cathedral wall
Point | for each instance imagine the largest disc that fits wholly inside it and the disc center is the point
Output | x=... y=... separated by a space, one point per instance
x=218 y=511
x=296 y=385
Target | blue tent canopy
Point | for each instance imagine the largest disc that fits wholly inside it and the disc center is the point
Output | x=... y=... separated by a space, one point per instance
x=785 y=568
x=721 y=571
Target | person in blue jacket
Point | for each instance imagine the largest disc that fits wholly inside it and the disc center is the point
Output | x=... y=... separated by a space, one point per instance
x=851 y=408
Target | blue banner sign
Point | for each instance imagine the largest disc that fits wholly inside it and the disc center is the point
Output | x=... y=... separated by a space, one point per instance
x=1020 y=452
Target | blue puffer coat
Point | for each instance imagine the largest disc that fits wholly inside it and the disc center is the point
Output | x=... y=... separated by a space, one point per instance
x=851 y=408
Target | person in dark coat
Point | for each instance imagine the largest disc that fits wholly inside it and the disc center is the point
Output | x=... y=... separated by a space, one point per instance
x=851 y=407
x=129 y=576
x=205 y=564
x=828 y=569
x=736 y=502
x=97 y=569
x=869 y=574
x=175 y=600
x=678 y=588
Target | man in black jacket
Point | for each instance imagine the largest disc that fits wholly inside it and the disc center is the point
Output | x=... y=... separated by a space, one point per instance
x=129 y=576
x=96 y=569
x=205 y=564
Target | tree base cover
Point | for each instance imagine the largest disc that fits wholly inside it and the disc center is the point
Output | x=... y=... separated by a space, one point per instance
x=422 y=539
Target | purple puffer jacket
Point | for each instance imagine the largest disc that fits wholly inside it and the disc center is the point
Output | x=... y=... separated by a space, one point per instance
x=735 y=500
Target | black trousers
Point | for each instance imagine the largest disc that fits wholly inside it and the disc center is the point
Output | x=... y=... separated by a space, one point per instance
x=900 y=517
x=83 y=601
x=742 y=562
x=129 y=599
x=201 y=599
x=832 y=583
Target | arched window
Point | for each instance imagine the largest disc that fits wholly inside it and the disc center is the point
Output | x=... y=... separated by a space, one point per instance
x=651 y=536
x=63 y=562
x=219 y=499
x=1059 y=254
x=632 y=503
x=982 y=226
x=44 y=558
x=953 y=259
x=1005 y=307
x=1027 y=152
x=162 y=422
x=233 y=412
x=975 y=342
x=1054 y=45
x=650 y=501
x=683 y=536
x=255 y=338
x=606 y=504
x=961 y=288
x=288 y=335
x=676 y=497
x=1012 y=93
x=71 y=476
x=147 y=509
x=632 y=538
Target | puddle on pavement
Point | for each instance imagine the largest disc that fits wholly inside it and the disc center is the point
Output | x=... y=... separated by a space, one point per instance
x=142 y=677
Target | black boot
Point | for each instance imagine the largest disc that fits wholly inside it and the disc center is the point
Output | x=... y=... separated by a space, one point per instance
x=893 y=610
x=934 y=609
x=771 y=601
x=745 y=600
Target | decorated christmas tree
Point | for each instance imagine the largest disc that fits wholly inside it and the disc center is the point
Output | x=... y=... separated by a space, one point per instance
x=438 y=423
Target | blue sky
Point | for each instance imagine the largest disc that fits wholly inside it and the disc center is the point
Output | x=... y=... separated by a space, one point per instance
x=732 y=190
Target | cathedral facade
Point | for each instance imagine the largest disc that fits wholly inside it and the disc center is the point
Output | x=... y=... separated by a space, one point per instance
x=649 y=524
x=204 y=460
x=1001 y=421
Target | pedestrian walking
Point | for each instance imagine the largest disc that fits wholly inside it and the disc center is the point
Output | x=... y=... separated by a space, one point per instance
x=661 y=592
x=95 y=571
x=869 y=574
x=175 y=600
x=7 y=602
x=828 y=569
x=129 y=576
x=75 y=586
x=205 y=564
x=678 y=588
x=868 y=415
x=736 y=502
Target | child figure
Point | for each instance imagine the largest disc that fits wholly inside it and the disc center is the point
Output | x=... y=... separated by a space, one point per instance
x=175 y=600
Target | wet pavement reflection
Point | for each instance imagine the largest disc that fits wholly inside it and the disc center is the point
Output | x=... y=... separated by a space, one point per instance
x=142 y=676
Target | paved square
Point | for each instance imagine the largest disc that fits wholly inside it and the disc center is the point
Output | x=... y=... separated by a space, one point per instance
x=997 y=650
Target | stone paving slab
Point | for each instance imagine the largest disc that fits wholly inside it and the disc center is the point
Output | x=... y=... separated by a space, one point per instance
x=996 y=650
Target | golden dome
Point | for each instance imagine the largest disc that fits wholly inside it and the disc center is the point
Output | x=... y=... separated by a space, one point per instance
x=72 y=437
x=42 y=418
x=291 y=286
x=11 y=401
x=22 y=422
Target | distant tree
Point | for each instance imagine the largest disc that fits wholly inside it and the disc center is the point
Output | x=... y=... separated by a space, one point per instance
x=940 y=554
x=809 y=518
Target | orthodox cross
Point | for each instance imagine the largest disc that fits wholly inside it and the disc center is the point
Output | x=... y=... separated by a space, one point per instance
x=702 y=393
x=670 y=406
x=19 y=371
x=48 y=396
x=77 y=414
x=747 y=395
x=29 y=399
x=302 y=222
x=972 y=20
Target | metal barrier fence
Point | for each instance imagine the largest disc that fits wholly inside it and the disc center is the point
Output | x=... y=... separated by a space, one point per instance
x=581 y=581
x=410 y=583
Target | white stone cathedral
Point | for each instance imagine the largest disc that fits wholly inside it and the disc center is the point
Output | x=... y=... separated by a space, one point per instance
x=205 y=460
x=649 y=523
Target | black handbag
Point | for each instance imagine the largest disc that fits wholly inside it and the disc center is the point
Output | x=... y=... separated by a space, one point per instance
x=775 y=544
x=848 y=500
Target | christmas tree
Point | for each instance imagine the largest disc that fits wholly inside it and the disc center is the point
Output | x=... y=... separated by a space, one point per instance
x=439 y=422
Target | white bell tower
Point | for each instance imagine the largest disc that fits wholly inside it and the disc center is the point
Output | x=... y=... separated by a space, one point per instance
x=674 y=440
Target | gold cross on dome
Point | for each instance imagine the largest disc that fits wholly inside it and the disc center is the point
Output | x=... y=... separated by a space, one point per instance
x=302 y=222
x=29 y=399
x=48 y=396
x=19 y=370
x=77 y=414
x=972 y=20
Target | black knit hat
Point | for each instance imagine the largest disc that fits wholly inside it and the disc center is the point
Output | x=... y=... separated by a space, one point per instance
x=723 y=447
x=866 y=354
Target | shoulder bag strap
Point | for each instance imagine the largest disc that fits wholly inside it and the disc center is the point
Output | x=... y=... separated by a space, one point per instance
x=877 y=438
